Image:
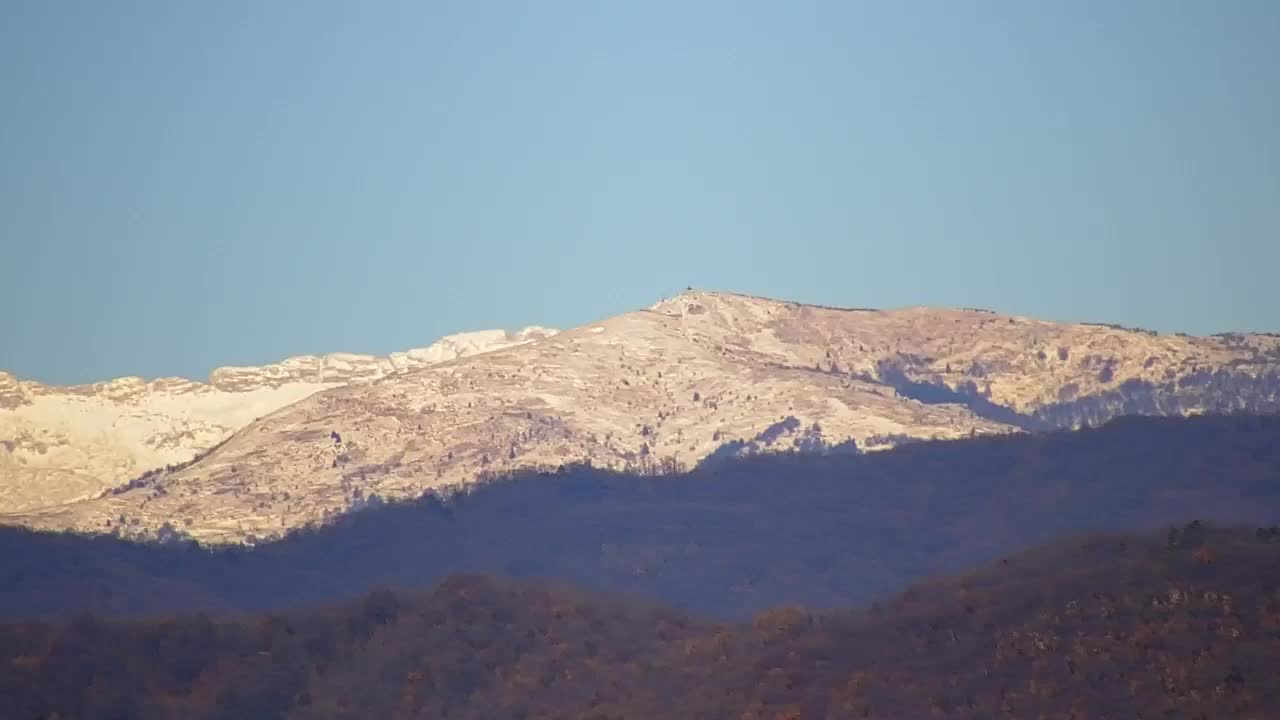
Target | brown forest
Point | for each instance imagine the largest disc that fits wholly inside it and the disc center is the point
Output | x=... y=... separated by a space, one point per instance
x=1183 y=624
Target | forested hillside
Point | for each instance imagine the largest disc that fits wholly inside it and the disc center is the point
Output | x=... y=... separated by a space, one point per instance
x=728 y=539
x=1184 y=623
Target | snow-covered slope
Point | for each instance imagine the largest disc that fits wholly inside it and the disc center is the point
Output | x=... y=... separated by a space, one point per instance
x=63 y=444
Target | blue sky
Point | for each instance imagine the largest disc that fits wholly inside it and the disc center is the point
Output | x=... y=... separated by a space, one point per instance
x=185 y=185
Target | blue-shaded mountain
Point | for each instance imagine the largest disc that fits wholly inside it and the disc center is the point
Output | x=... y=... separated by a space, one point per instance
x=729 y=538
x=1133 y=626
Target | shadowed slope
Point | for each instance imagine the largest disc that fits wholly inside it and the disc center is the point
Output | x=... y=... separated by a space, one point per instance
x=1118 y=626
x=729 y=539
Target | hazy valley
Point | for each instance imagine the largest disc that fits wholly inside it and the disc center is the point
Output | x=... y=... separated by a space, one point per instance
x=1134 y=625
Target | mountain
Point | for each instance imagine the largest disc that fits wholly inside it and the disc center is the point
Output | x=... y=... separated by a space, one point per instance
x=702 y=374
x=64 y=444
x=1177 y=625
x=726 y=539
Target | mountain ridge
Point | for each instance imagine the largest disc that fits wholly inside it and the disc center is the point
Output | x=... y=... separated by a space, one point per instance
x=60 y=444
x=672 y=384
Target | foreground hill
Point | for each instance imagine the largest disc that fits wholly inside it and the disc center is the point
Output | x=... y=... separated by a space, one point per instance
x=672 y=384
x=728 y=539
x=1178 y=625
x=64 y=444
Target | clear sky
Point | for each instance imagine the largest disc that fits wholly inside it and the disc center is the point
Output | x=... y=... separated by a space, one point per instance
x=192 y=184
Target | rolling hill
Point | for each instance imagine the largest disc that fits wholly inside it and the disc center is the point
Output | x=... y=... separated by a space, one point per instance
x=1102 y=626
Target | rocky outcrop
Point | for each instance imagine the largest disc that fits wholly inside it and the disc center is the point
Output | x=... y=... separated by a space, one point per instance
x=11 y=393
x=65 y=444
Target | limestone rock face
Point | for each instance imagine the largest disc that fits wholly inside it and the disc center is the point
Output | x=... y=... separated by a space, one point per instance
x=65 y=444
x=662 y=387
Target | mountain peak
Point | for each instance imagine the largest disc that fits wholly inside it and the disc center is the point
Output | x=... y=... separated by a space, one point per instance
x=699 y=375
x=696 y=376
